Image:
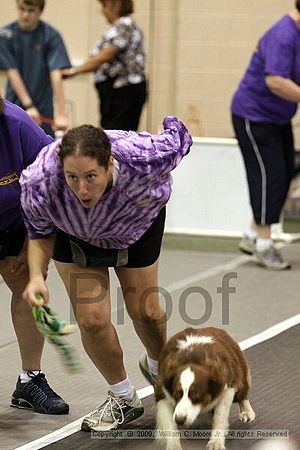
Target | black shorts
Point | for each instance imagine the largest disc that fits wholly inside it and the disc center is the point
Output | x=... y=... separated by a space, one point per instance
x=142 y=253
x=12 y=239
x=268 y=153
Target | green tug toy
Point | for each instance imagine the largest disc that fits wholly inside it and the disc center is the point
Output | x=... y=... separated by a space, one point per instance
x=53 y=329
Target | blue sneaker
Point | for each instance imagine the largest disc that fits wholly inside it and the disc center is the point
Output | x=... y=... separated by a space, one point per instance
x=38 y=396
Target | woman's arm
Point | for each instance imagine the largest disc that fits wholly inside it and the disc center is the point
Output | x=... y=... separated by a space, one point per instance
x=283 y=87
x=92 y=64
x=21 y=91
x=39 y=254
x=61 y=122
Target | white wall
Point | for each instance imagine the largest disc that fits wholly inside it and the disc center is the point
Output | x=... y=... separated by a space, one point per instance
x=210 y=193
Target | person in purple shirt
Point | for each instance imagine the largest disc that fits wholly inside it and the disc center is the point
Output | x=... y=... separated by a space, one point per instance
x=262 y=108
x=93 y=201
x=20 y=142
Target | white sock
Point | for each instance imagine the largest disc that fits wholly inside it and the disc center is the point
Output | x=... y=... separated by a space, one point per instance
x=263 y=244
x=251 y=233
x=24 y=377
x=123 y=388
x=153 y=365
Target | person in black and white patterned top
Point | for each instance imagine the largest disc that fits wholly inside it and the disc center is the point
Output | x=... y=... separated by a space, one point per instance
x=118 y=61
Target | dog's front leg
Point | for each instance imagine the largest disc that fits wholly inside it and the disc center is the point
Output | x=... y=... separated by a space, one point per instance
x=167 y=431
x=246 y=412
x=220 y=421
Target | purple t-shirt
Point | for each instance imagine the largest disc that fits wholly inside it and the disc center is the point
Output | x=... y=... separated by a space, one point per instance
x=142 y=187
x=20 y=142
x=278 y=53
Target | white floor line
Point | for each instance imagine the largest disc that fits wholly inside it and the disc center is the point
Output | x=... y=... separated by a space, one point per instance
x=230 y=265
x=73 y=427
x=57 y=435
x=270 y=332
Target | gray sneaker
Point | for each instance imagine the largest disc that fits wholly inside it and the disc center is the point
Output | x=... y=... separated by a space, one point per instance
x=114 y=412
x=271 y=259
x=145 y=369
x=247 y=245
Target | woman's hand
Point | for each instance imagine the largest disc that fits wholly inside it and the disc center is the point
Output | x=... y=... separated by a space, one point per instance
x=68 y=73
x=34 y=114
x=34 y=289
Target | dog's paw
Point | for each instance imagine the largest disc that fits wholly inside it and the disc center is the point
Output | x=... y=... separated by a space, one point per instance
x=248 y=415
x=216 y=444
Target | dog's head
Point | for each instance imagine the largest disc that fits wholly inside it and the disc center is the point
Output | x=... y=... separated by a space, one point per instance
x=194 y=389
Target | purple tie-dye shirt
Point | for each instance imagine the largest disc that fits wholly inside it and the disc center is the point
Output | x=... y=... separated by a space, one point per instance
x=122 y=215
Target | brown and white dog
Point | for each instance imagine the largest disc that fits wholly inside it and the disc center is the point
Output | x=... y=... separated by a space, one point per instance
x=200 y=370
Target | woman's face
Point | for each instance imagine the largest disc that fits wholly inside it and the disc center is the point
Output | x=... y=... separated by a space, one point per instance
x=87 y=179
x=111 y=10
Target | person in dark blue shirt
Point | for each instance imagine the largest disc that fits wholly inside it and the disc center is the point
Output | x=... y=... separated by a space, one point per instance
x=32 y=54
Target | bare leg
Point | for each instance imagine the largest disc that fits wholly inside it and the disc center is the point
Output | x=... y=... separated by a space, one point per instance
x=30 y=340
x=142 y=303
x=89 y=293
x=263 y=231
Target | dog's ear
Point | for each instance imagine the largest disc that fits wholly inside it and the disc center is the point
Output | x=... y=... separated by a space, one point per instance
x=214 y=387
x=169 y=381
x=218 y=377
x=169 y=371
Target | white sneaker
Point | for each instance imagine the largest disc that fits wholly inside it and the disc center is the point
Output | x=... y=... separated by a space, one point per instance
x=271 y=259
x=114 y=412
x=247 y=245
x=145 y=369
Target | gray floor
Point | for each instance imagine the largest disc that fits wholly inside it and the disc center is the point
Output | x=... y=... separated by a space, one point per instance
x=262 y=299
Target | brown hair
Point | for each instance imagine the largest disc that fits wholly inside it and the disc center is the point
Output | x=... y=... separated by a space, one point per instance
x=297 y=4
x=37 y=3
x=126 y=6
x=86 y=140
